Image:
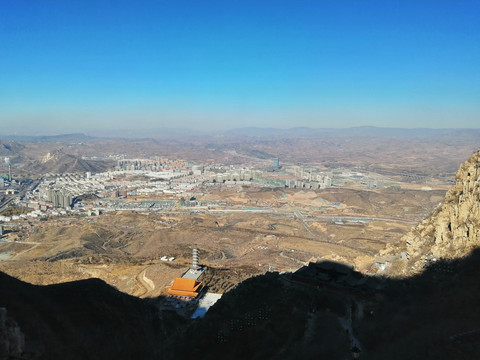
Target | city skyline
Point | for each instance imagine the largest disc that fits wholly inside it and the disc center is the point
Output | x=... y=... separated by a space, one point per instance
x=83 y=66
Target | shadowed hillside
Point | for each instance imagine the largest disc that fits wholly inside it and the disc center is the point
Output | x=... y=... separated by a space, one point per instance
x=433 y=315
x=86 y=319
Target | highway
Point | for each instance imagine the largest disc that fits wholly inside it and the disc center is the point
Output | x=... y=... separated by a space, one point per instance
x=358 y=219
x=5 y=202
x=305 y=218
x=300 y=217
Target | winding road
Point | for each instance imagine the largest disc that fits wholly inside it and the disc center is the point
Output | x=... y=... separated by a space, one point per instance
x=145 y=282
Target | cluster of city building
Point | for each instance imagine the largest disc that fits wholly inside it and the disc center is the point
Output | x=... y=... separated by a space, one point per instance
x=118 y=189
x=157 y=164
x=233 y=175
x=299 y=184
x=308 y=178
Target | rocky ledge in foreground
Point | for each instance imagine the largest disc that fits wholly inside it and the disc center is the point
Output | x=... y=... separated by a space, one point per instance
x=453 y=229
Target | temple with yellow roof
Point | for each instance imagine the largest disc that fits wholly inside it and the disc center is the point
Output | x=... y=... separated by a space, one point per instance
x=185 y=287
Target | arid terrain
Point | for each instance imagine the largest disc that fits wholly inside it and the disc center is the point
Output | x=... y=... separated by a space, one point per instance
x=343 y=261
x=261 y=229
x=124 y=248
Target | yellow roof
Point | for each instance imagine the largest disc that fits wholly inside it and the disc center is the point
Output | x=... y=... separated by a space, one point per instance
x=184 y=287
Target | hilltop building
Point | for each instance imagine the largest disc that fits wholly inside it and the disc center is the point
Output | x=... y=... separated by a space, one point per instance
x=185 y=287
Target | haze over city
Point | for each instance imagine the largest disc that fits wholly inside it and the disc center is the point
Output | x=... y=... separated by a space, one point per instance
x=88 y=66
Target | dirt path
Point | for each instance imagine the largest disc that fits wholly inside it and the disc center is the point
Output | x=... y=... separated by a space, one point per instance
x=293 y=259
x=145 y=282
x=25 y=251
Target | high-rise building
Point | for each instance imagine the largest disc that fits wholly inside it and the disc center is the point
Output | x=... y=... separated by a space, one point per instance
x=276 y=163
x=60 y=199
x=327 y=182
x=67 y=200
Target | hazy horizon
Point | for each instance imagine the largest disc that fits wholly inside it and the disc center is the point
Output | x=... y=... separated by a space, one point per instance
x=87 y=66
x=361 y=130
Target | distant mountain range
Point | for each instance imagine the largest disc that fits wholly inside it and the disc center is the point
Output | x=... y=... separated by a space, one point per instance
x=65 y=138
x=363 y=131
x=254 y=132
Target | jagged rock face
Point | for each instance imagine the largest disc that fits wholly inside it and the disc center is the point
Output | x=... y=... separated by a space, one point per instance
x=453 y=229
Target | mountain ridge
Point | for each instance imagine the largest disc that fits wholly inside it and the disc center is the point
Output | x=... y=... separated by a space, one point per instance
x=251 y=131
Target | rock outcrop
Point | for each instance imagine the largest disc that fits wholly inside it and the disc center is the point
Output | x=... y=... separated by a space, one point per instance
x=58 y=161
x=453 y=229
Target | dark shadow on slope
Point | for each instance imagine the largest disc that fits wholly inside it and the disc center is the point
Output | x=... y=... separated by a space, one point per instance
x=434 y=315
x=85 y=319
x=324 y=310
x=320 y=312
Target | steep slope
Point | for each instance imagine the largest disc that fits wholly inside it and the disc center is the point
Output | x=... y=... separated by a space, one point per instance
x=451 y=231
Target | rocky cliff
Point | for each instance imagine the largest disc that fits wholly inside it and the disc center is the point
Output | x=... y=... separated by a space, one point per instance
x=453 y=229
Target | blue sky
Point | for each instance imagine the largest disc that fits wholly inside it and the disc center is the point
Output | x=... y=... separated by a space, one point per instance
x=85 y=65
